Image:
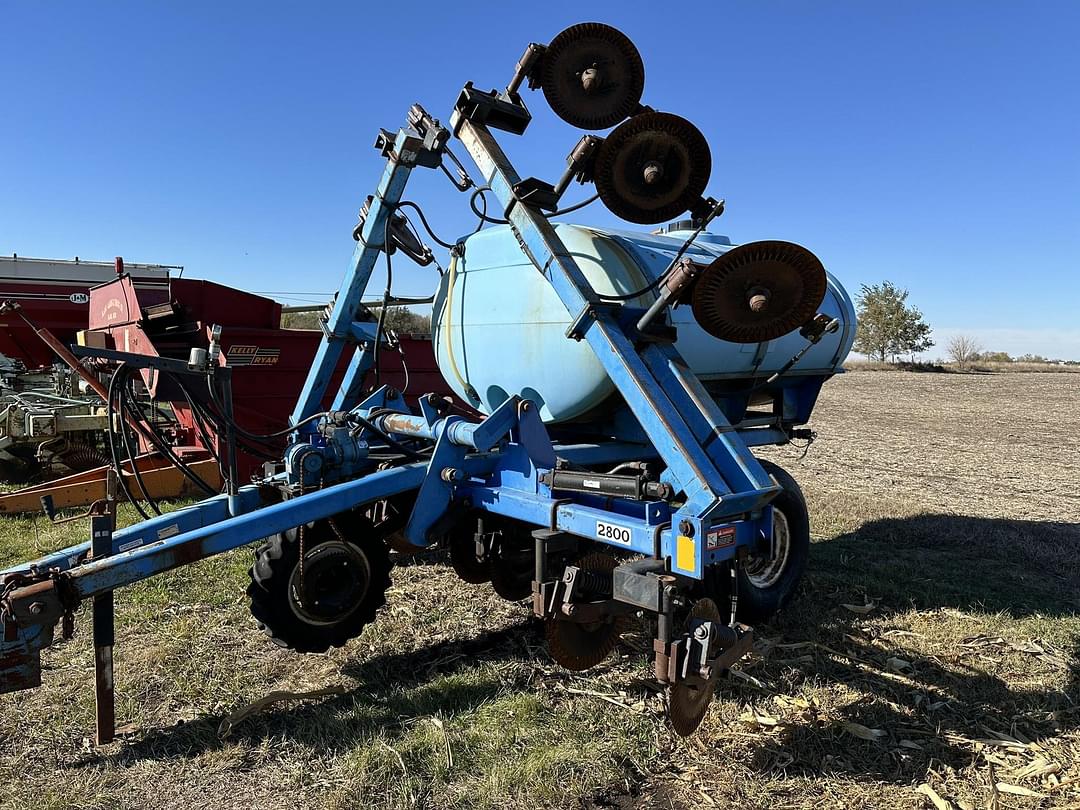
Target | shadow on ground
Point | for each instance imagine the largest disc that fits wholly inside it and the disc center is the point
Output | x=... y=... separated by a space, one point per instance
x=390 y=690
x=953 y=571
x=934 y=581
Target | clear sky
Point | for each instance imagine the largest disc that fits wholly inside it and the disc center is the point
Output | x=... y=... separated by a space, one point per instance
x=934 y=144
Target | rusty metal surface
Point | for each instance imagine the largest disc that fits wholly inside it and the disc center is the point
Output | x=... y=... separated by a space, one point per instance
x=161 y=479
x=592 y=75
x=31 y=603
x=20 y=656
x=688 y=699
x=20 y=668
x=759 y=291
x=652 y=168
x=578 y=645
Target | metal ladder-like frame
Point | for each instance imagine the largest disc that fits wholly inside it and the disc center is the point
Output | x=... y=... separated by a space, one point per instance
x=705 y=456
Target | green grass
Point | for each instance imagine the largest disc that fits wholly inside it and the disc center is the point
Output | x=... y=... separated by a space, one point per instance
x=452 y=702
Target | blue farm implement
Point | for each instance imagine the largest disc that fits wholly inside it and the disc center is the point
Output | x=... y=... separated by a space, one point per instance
x=617 y=382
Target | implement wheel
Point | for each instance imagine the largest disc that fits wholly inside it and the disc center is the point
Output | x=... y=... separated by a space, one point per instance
x=326 y=598
x=766 y=584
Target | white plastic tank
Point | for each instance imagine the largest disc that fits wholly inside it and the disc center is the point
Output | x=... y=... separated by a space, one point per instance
x=500 y=329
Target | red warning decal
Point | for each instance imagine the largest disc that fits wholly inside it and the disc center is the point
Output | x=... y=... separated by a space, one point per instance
x=719 y=538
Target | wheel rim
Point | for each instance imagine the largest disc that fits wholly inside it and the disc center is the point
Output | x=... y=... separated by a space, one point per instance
x=331 y=583
x=764 y=572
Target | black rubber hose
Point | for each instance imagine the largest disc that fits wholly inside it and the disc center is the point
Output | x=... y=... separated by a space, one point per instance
x=483 y=215
x=110 y=412
x=159 y=443
x=209 y=418
x=122 y=404
x=423 y=220
x=202 y=428
x=575 y=207
x=224 y=417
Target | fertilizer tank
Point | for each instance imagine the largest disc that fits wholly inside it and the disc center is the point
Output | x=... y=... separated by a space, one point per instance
x=500 y=329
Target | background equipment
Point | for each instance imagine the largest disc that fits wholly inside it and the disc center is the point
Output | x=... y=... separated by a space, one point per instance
x=55 y=294
x=605 y=470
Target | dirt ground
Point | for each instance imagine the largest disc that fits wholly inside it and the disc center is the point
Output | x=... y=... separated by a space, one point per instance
x=985 y=445
x=930 y=659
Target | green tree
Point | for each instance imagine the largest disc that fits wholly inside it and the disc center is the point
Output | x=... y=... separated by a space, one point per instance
x=300 y=320
x=403 y=320
x=398 y=319
x=888 y=325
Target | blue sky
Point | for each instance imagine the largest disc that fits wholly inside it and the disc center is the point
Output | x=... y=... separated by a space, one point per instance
x=933 y=144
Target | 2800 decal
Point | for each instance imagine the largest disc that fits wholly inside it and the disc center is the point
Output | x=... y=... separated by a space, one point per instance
x=609 y=531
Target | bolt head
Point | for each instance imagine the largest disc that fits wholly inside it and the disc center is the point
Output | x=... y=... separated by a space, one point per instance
x=758 y=303
x=591 y=80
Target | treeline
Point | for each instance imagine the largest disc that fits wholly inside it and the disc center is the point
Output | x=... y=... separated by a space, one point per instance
x=1005 y=357
x=398 y=319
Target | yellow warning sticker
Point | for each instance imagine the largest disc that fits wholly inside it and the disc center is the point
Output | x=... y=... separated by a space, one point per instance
x=685 y=557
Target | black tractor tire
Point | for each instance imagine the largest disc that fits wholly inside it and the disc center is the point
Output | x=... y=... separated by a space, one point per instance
x=337 y=592
x=766 y=586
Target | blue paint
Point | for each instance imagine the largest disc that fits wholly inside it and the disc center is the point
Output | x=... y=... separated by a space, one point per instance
x=532 y=285
x=506 y=326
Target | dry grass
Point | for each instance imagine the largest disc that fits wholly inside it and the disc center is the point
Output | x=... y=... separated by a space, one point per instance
x=978 y=367
x=1019 y=367
x=945 y=503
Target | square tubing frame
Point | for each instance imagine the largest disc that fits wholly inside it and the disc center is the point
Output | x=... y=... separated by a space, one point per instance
x=703 y=452
x=341 y=328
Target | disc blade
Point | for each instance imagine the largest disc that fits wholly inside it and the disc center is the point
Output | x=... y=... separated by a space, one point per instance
x=652 y=168
x=687 y=705
x=759 y=291
x=592 y=76
x=577 y=646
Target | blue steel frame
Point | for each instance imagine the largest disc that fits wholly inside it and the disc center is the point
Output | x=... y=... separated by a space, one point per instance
x=341 y=328
x=705 y=457
x=496 y=464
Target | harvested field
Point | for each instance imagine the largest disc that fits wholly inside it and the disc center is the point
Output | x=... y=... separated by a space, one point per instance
x=931 y=658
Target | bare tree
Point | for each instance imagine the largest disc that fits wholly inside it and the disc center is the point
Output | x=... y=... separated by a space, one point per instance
x=963 y=349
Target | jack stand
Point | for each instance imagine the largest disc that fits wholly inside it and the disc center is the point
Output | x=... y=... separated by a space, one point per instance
x=101 y=532
x=665 y=621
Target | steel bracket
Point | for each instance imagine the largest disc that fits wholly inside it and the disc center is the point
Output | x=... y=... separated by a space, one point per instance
x=501 y=111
